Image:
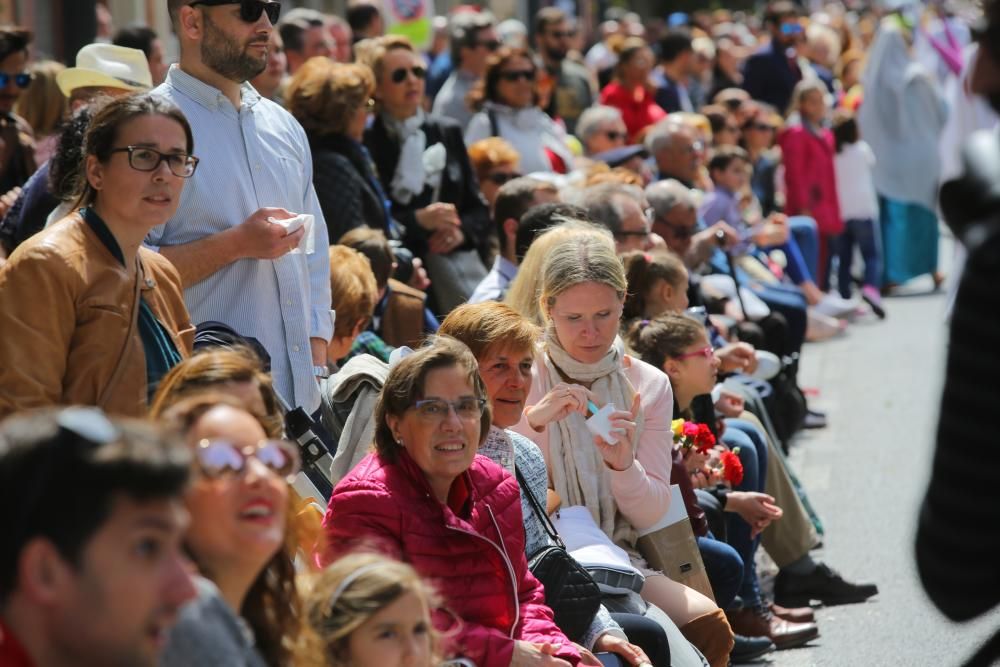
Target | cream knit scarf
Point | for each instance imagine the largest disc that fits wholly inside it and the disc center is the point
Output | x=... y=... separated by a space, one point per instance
x=578 y=472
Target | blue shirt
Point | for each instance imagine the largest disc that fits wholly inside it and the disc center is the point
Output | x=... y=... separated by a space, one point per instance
x=494 y=286
x=253 y=157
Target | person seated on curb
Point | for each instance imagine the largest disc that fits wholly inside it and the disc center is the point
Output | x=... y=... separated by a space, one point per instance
x=99 y=579
x=424 y=496
x=248 y=609
x=513 y=200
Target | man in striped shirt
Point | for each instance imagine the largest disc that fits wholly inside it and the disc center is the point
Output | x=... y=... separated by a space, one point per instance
x=236 y=265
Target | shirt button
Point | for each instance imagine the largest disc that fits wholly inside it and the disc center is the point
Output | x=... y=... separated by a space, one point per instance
x=288 y=302
x=295 y=348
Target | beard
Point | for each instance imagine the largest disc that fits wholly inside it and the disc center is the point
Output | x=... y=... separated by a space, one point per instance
x=556 y=53
x=228 y=58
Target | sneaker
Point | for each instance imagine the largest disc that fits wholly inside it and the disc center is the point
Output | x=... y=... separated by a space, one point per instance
x=822 y=327
x=833 y=305
x=873 y=298
x=814 y=419
x=823 y=584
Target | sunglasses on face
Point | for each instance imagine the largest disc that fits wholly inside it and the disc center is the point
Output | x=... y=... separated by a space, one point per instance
x=21 y=80
x=615 y=135
x=563 y=34
x=220 y=458
x=490 y=46
x=250 y=10
x=141 y=158
x=791 y=28
x=680 y=232
x=512 y=76
x=399 y=75
x=501 y=177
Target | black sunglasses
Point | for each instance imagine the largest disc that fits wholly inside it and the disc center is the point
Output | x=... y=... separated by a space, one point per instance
x=399 y=75
x=501 y=177
x=250 y=10
x=614 y=135
x=22 y=80
x=514 y=75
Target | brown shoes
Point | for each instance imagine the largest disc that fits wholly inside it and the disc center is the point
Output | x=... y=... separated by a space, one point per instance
x=795 y=615
x=762 y=623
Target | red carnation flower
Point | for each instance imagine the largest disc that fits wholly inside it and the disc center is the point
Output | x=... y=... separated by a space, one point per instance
x=732 y=468
x=704 y=440
x=690 y=430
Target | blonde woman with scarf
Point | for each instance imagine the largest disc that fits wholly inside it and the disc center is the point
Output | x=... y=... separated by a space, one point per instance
x=625 y=485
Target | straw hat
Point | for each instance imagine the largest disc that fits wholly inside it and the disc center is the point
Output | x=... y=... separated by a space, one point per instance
x=106 y=66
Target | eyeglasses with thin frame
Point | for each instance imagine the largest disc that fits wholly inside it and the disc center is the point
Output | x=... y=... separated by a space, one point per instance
x=515 y=74
x=21 y=79
x=706 y=352
x=399 y=75
x=143 y=158
x=220 y=458
x=436 y=410
x=250 y=10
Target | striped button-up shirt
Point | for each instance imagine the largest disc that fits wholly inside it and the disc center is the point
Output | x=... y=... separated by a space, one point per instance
x=253 y=157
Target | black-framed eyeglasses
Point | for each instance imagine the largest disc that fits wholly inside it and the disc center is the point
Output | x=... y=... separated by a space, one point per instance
x=399 y=75
x=21 y=79
x=680 y=232
x=515 y=74
x=468 y=408
x=250 y=10
x=143 y=158
x=501 y=177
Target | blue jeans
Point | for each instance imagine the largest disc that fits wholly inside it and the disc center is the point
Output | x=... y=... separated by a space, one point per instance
x=753 y=456
x=724 y=568
x=806 y=234
x=863 y=234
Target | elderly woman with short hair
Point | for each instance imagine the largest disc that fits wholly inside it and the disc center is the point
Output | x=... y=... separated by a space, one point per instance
x=332 y=102
x=601 y=128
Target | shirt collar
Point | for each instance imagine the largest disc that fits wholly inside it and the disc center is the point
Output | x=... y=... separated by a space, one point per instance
x=505 y=267
x=207 y=96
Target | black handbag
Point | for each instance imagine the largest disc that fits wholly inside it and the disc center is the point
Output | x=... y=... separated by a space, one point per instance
x=570 y=591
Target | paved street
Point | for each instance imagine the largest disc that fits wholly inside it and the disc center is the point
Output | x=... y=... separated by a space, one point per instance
x=866 y=475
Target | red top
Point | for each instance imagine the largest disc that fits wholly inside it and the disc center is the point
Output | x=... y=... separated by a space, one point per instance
x=638 y=108
x=12 y=654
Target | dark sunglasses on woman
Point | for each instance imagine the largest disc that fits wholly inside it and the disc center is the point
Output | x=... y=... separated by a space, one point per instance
x=221 y=458
x=501 y=177
x=514 y=75
x=21 y=80
x=399 y=75
x=250 y=10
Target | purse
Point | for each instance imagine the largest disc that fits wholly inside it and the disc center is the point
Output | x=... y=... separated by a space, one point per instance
x=570 y=591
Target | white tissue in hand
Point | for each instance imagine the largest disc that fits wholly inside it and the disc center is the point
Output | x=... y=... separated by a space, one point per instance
x=600 y=424
x=306 y=244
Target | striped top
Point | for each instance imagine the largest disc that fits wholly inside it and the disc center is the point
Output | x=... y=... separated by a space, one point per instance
x=253 y=157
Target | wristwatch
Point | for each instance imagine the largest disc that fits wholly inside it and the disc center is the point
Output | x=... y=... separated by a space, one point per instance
x=321 y=372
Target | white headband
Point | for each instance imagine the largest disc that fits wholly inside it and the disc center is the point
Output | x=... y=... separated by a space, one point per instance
x=350 y=579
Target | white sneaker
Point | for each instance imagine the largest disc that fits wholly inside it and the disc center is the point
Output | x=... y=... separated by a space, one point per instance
x=833 y=305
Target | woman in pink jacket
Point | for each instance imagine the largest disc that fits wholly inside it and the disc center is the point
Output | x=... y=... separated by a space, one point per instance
x=424 y=497
x=623 y=478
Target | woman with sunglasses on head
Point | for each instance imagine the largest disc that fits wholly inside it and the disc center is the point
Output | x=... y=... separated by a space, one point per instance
x=507 y=102
x=425 y=498
x=332 y=101
x=631 y=90
x=88 y=315
x=248 y=611
x=424 y=169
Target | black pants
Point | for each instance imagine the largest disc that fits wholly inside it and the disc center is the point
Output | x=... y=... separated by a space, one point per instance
x=646 y=634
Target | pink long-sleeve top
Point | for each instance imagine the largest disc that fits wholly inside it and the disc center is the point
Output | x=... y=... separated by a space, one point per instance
x=642 y=492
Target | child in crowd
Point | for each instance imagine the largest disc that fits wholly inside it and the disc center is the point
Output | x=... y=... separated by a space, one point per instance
x=371 y=611
x=854 y=162
x=807 y=149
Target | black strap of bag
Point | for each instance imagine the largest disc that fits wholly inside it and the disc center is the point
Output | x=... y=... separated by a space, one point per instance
x=494 y=124
x=570 y=591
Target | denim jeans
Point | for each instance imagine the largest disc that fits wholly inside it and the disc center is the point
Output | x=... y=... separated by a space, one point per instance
x=724 y=568
x=753 y=456
x=806 y=234
x=864 y=234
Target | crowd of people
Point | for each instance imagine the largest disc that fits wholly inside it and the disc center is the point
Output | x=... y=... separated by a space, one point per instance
x=352 y=352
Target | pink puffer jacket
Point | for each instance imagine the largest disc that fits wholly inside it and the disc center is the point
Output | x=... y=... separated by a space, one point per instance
x=476 y=562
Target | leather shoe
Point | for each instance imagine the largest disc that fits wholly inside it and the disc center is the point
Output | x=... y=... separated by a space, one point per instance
x=796 y=615
x=760 y=622
x=823 y=584
x=746 y=649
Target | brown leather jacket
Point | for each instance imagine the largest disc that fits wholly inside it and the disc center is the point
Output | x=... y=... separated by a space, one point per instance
x=68 y=322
